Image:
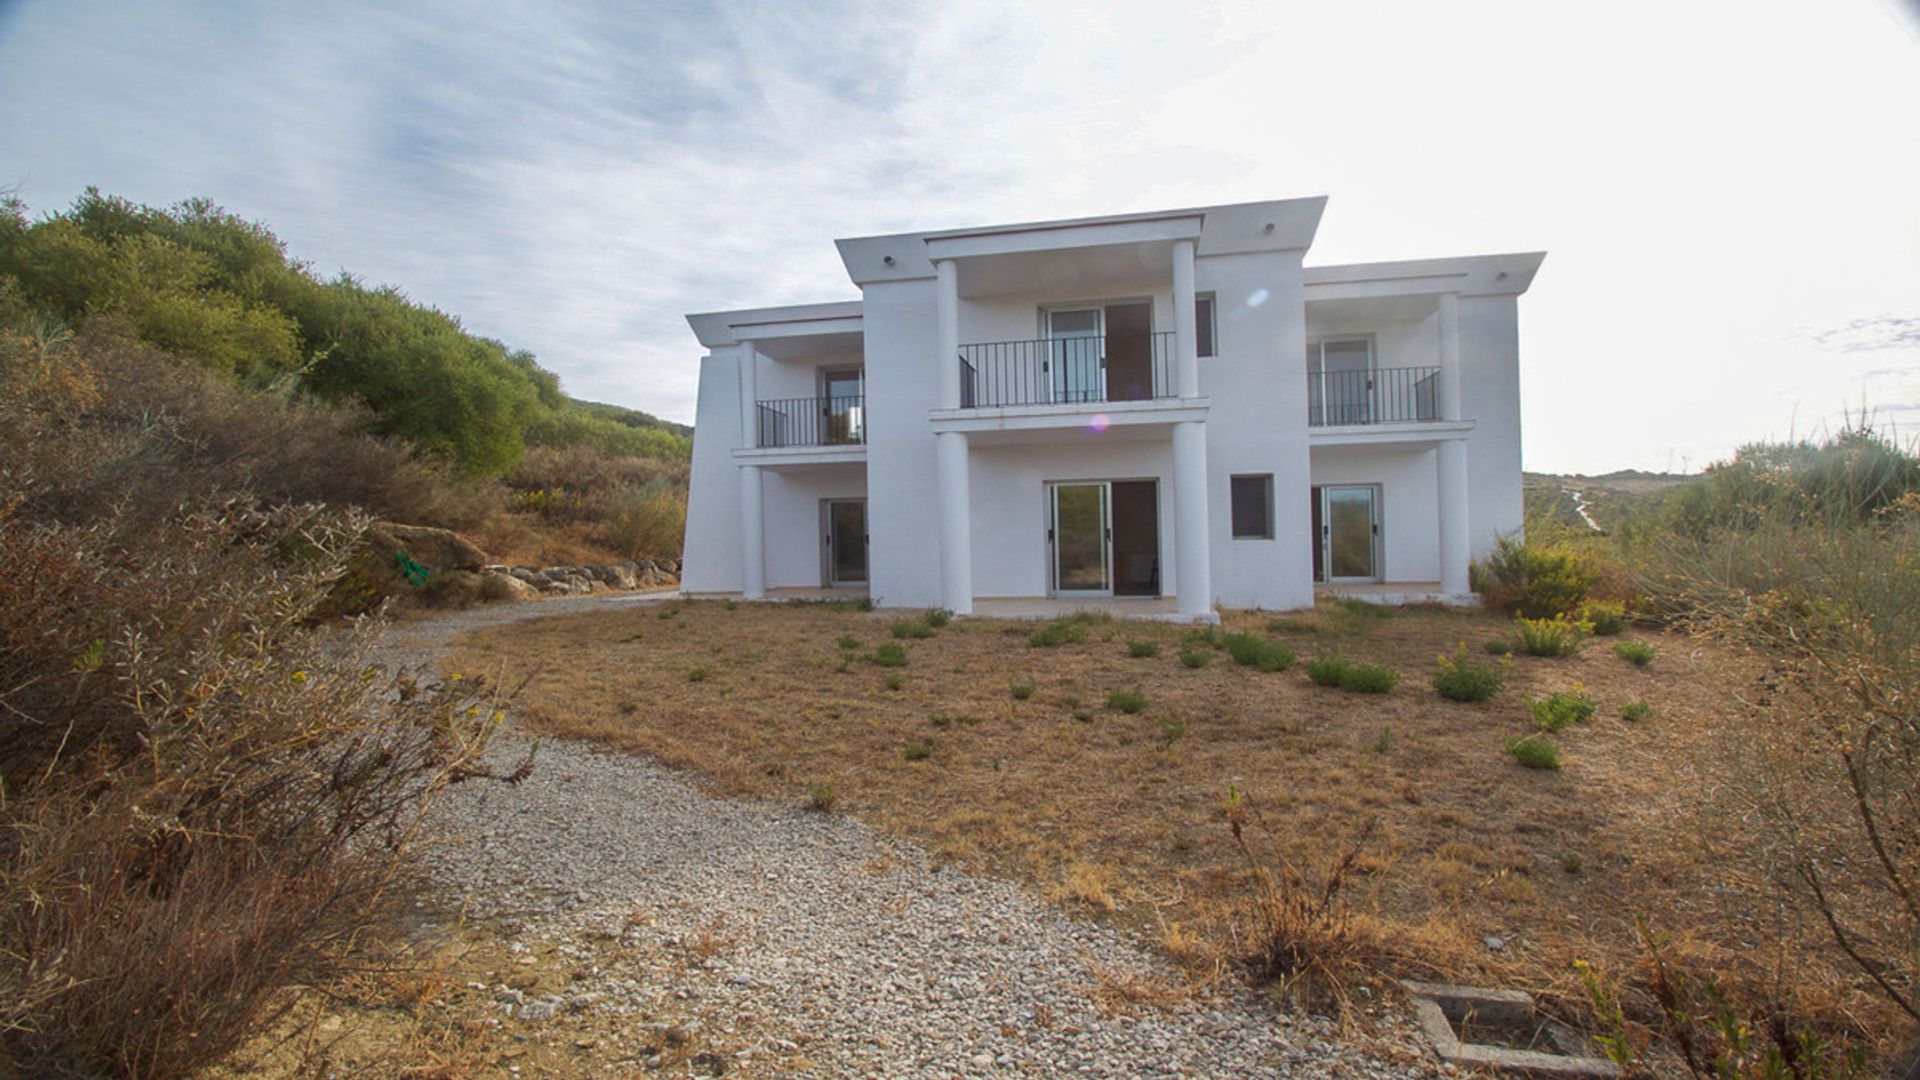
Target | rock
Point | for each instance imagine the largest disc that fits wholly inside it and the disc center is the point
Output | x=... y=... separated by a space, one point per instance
x=538 y=1010
x=523 y=980
x=510 y=587
x=1495 y=943
x=435 y=549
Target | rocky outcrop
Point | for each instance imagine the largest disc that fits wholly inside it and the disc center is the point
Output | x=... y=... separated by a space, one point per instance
x=435 y=549
x=581 y=580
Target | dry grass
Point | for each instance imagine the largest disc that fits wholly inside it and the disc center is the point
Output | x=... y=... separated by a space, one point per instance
x=1108 y=808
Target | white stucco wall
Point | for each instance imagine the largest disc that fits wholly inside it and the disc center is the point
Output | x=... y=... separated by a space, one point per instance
x=793 y=523
x=903 y=503
x=1409 y=509
x=711 y=560
x=1009 y=505
x=1490 y=397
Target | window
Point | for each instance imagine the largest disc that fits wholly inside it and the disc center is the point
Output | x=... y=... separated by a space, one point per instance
x=1253 y=507
x=1203 y=325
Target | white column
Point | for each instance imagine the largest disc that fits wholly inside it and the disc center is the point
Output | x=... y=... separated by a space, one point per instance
x=753 y=537
x=1191 y=537
x=749 y=395
x=1453 y=517
x=956 y=524
x=1449 y=356
x=1186 y=337
x=948 y=289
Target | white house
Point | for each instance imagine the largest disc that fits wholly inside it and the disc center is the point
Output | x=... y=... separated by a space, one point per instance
x=1167 y=406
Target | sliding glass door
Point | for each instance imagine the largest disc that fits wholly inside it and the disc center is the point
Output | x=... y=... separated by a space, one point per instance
x=1080 y=534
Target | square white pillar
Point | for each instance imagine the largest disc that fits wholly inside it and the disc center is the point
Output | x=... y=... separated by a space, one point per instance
x=1192 y=538
x=1186 y=334
x=956 y=523
x=947 y=281
x=749 y=359
x=753 y=536
x=1455 y=517
x=1449 y=402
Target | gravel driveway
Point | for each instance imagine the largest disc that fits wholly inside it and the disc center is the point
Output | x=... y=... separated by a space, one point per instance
x=792 y=942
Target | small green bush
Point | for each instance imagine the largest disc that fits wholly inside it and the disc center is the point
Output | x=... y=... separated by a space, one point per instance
x=1559 y=636
x=1142 y=649
x=698 y=674
x=1534 y=751
x=1535 y=581
x=1196 y=658
x=917 y=752
x=732 y=605
x=1022 y=691
x=895 y=682
x=1327 y=670
x=938 y=617
x=1369 y=679
x=1461 y=679
x=892 y=654
x=1201 y=637
x=1635 y=711
x=848 y=641
x=1385 y=742
x=1170 y=732
x=1085 y=716
x=1606 y=617
x=1254 y=651
x=1127 y=701
x=1561 y=709
x=822 y=795
x=1059 y=632
x=1499 y=646
x=1638 y=653
x=914 y=630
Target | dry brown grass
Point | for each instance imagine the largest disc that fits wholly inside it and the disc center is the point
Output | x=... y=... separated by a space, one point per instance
x=1644 y=818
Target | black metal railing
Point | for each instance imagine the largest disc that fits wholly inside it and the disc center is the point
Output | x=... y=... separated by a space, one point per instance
x=813 y=421
x=1067 y=370
x=1380 y=396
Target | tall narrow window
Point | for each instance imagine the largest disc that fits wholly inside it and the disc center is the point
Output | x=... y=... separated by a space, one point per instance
x=1253 y=507
x=1203 y=325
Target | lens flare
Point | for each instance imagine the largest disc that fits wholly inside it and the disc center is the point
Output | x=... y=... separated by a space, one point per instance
x=1259 y=297
x=1099 y=422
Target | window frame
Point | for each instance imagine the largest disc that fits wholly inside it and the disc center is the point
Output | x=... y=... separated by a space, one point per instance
x=1267 y=517
x=1207 y=328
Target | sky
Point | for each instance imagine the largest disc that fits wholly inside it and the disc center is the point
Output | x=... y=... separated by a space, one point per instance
x=1729 y=193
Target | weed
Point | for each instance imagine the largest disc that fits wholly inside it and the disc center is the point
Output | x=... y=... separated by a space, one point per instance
x=892 y=654
x=848 y=641
x=1254 y=651
x=1534 y=751
x=628 y=708
x=1369 y=679
x=1635 y=711
x=1571 y=862
x=1558 y=636
x=1327 y=670
x=942 y=721
x=938 y=617
x=895 y=682
x=1059 y=632
x=669 y=612
x=822 y=795
x=1142 y=649
x=1499 y=646
x=1561 y=709
x=916 y=629
x=1196 y=658
x=1171 y=731
x=1461 y=679
x=1127 y=701
x=918 y=751
x=1637 y=653
x=698 y=674
x=1385 y=742
x=1085 y=716
x=1022 y=691
x=1202 y=637
x=732 y=605
x=1606 y=617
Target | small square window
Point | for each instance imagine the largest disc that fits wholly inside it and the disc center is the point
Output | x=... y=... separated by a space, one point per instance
x=1253 y=507
x=1203 y=325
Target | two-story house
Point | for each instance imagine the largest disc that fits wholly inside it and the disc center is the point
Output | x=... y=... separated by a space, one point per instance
x=1170 y=409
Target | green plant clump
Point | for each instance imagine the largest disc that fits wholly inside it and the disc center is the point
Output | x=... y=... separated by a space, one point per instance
x=1461 y=679
x=1499 y=646
x=698 y=674
x=915 y=629
x=1327 y=670
x=1561 y=709
x=1635 y=711
x=1142 y=649
x=1022 y=691
x=1196 y=658
x=1058 y=632
x=1369 y=679
x=895 y=682
x=1535 y=581
x=822 y=795
x=1637 y=653
x=1252 y=650
x=1534 y=751
x=1127 y=701
x=917 y=752
x=939 y=617
x=892 y=654
x=1558 y=636
x=1606 y=617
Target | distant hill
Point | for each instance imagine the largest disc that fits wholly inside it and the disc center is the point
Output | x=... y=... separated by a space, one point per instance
x=1609 y=499
x=632 y=418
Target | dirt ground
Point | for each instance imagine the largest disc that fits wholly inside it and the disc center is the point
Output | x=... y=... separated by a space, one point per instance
x=1475 y=869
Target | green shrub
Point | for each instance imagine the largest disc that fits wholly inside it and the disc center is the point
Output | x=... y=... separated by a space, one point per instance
x=1127 y=701
x=650 y=521
x=1558 y=636
x=1635 y=711
x=892 y=654
x=1561 y=709
x=1059 y=632
x=895 y=682
x=1201 y=637
x=1196 y=658
x=1385 y=742
x=917 y=752
x=1638 y=653
x=1606 y=617
x=822 y=795
x=1142 y=649
x=698 y=674
x=732 y=605
x=1085 y=716
x=939 y=617
x=1369 y=679
x=1170 y=732
x=1254 y=651
x=1536 y=581
x=916 y=629
x=1022 y=691
x=1327 y=670
x=1499 y=646
x=848 y=641
x=1534 y=751
x=1461 y=679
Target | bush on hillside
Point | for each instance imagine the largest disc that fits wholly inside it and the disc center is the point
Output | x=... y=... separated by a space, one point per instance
x=1538 y=581
x=648 y=522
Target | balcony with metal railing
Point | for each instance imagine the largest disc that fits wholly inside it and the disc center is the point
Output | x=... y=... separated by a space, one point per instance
x=1081 y=370
x=812 y=421
x=1373 y=396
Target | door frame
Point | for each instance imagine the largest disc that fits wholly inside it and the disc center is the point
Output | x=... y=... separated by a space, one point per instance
x=829 y=578
x=1323 y=544
x=1051 y=528
x=1098 y=307
x=1317 y=369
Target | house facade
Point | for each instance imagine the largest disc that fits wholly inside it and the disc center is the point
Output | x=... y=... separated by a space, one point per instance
x=1165 y=406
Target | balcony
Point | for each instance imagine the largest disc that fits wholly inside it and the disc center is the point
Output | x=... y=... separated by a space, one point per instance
x=812 y=421
x=1081 y=370
x=1373 y=396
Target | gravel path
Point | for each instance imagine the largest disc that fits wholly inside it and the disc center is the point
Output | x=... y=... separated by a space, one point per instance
x=808 y=944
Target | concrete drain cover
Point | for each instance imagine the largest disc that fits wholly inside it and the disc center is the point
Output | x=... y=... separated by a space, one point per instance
x=1499 y=1029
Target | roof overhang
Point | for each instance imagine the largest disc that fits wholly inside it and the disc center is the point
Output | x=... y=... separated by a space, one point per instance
x=1468 y=275
x=785 y=333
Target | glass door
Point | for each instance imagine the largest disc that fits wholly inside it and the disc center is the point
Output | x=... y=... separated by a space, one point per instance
x=846 y=542
x=1350 y=532
x=1340 y=381
x=843 y=405
x=1075 y=356
x=1080 y=533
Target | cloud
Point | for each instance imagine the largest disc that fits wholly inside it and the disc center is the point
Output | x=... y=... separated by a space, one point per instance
x=1879 y=332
